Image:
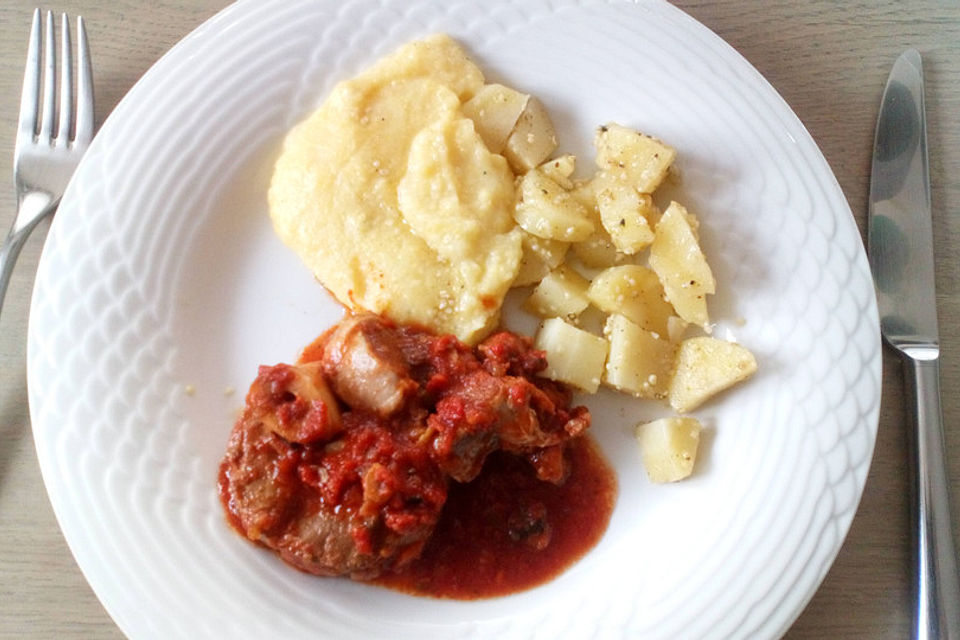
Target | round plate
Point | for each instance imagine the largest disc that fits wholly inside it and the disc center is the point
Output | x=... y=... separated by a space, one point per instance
x=162 y=287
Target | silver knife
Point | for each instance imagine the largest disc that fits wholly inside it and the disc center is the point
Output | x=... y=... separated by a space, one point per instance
x=900 y=238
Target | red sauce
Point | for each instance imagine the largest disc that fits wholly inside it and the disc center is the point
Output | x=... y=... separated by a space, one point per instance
x=390 y=454
x=507 y=531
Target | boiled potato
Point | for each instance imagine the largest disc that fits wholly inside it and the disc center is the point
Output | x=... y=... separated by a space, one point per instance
x=704 y=367
x=599 y=196
x=668 y=447
x=676 y=327
x=574 y=356
x=597 y=250
x=547 y=210
x=624 y=214
x=585 y=191
x=532 y=140
x=591 y=319
x=633 y=291
x=562 y=293
x=636 y=159
x=639 y=362
x=693 y=223
x=676 y=257
x=495 y=110
x=560 y=169
x=540 y=257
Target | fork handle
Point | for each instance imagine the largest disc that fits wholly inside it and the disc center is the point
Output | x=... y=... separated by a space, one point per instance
x=34 y=206
x=937 y=582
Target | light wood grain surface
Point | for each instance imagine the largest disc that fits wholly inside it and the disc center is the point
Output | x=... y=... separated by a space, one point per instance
x=828 y=59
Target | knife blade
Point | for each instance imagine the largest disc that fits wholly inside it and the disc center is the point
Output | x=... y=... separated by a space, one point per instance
x=900 y=244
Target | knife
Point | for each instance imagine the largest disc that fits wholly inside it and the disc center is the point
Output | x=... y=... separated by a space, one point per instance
x=900 y=239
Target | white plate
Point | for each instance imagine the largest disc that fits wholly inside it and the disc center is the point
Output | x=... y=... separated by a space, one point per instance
x=161 y=276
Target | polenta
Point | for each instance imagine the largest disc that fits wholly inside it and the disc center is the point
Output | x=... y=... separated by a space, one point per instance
x=390 y=196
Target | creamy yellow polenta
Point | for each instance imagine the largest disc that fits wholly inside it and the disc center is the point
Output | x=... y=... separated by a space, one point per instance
x=392 y=199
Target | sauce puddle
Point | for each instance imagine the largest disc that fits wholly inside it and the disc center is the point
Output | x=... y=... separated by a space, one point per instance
x=507 y=531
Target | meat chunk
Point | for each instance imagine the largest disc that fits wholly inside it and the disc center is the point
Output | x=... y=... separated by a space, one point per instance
x=366 y=366
x=262 y=491
x=302 y=533
x=294 y=402
x=320 y=543
x=257 y=482
x=358 y=506
x=506 y=353
x=483 y=413
x=467 y=423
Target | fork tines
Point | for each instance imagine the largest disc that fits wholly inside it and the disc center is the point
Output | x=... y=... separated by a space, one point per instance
x=38 y=121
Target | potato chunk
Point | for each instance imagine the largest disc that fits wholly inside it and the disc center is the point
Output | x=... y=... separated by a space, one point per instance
x=636 y=159
x=624 y=214
x=597 y=250
x=574 y=356
x=495 y=110
x=676 y=327
x=561 y=294
x=704 y=367
x=676 y=257
x=640 y=362
x=532 y=140
x=560 y=169
x=668 y=447
x=540 y=257
x=547 y=210
x=635 y=292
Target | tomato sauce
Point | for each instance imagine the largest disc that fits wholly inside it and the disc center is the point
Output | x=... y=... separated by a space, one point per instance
x=415 y=461
x=507 y=531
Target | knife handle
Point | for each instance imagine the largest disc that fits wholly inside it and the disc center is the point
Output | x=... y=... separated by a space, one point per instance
x=937 y=581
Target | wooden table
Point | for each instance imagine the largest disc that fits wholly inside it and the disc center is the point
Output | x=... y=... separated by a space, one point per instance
x=829 y=61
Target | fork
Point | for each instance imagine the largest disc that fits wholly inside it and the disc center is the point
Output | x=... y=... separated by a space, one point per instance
x=46 y=154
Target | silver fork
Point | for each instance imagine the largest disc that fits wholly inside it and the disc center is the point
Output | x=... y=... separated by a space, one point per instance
x=47 y=152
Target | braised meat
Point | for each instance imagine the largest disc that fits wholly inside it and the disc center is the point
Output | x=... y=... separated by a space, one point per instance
x=341 y=463
x=295 y=403
x=366 y=367
x=354 y=506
